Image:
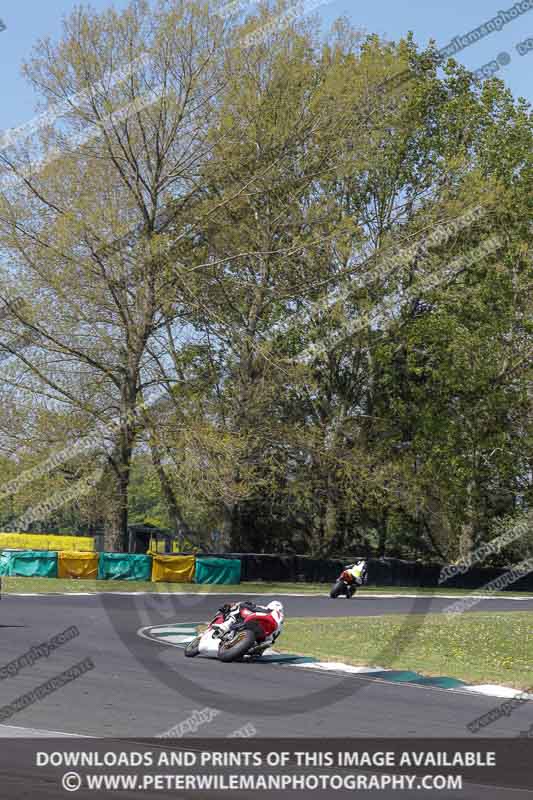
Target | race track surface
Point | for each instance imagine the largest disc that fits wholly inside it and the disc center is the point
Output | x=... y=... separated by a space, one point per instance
x=142 y=688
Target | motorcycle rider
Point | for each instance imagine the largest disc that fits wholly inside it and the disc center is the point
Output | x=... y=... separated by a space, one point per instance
x=232 y=614
x=359 y=571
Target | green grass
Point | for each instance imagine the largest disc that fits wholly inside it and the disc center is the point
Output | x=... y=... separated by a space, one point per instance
x=45 y=585
x=475 y=647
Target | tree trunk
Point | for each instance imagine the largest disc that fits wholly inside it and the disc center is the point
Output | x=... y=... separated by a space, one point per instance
x=116 y=530
x=433 y=542
x=318 y=529
x=330 y=519
x=116 y=517
x=382 y=537
x=231 y=527
x=466 y=538
x=179 y=526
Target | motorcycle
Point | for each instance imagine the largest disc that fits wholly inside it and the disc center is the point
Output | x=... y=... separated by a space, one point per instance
x=347 y=583
x=246 y=637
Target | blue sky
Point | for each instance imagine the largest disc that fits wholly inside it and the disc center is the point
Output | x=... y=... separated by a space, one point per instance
x=29 y=20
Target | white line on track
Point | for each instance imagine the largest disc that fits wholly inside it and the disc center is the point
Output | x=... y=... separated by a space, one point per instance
x=15 y=731
x=489 y=690
x=495 y=690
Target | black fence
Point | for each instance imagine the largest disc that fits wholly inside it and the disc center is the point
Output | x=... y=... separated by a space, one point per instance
x=381 y=572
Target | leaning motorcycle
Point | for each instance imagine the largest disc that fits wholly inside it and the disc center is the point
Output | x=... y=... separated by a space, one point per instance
x=246 y=637
x=347 y=584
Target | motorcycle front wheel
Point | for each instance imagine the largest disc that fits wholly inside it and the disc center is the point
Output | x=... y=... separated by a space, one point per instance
x=236 y=647
x=192 y=648
x=338 y=589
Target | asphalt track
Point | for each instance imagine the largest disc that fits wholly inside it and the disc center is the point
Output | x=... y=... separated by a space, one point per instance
x=141 y=688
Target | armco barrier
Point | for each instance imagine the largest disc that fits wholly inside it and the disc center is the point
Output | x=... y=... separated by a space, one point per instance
x=77 y=565
x=218 y=570
x=173 y=569
x=29 y=563
x=45 y=541
x=124 y=566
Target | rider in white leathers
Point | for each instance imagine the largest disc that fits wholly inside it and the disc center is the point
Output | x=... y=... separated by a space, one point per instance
x=232 y=614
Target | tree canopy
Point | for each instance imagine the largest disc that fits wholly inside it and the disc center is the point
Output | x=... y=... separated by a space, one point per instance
x=266 y=282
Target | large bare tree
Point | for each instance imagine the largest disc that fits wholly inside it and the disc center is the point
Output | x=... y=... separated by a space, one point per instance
x=85 y=203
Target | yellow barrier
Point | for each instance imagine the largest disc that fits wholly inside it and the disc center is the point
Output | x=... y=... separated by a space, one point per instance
x=174 y=569
x=46 y=541
x=73 y=564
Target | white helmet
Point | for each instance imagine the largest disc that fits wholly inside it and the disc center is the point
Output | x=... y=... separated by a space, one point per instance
x=275 y=605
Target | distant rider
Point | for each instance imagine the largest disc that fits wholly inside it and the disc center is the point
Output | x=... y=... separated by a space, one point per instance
x=359 y=571
x=232 y=614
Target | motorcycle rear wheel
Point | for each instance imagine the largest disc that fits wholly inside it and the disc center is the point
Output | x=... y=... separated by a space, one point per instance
x=237 y=647
x=192 y=648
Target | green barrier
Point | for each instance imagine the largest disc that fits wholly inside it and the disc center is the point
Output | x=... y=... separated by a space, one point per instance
x=29 y=563
x=124 y=567
x=217 y=570
x=4 y=563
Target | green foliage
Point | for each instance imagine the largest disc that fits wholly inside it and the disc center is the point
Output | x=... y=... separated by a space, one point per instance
x=313 y=330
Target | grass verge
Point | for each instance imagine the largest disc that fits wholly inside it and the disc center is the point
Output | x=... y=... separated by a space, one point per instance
x=475 y=647
x=45 y=585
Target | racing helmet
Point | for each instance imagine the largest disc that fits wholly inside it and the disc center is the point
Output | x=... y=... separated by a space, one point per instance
x=275 y=605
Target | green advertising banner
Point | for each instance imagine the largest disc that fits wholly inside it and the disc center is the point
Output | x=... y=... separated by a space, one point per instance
x=217 y=570
x=124 y=566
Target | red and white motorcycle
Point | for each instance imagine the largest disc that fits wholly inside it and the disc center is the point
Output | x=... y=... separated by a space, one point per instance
x=239 y=631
